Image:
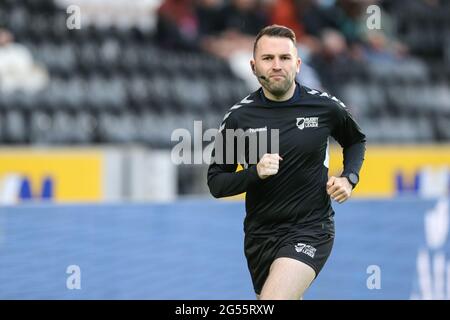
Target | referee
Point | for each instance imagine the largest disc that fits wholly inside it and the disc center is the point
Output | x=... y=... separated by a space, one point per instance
x=289 y=225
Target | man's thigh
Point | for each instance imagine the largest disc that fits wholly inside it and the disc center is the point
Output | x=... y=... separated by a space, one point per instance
x=288 y=280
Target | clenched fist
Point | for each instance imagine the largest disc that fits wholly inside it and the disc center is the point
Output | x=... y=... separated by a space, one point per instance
x=268 y=165
x=339 y=189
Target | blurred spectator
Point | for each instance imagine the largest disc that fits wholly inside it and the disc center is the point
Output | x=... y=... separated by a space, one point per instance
x=417 y=7
x=240 y=21
x=177 y=25
x=306 y=17
x=286 y=12
x=123 y=14
x=351 y=18
x=18 y=71
x=208 y=13
x=244 y=17
x=309 y=77
x=333 y=61
x=378 y=49
x=318 y=15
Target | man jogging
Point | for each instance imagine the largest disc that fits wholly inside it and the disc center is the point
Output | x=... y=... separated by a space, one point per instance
x=289 y=225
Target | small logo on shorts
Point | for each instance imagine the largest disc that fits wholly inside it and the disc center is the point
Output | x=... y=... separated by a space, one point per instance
x=306 y=249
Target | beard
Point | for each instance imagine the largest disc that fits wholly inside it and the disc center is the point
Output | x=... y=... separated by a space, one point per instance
x=280 y=87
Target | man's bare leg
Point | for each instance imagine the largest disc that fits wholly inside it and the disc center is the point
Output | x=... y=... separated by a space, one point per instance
x=288 y=280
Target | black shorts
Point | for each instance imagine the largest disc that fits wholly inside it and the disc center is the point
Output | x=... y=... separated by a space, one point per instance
x=311 y=245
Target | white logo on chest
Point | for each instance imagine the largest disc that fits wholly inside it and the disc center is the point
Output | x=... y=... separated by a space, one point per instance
x=311 y=122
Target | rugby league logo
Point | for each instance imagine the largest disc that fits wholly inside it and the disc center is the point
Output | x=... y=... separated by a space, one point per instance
x=311 y=122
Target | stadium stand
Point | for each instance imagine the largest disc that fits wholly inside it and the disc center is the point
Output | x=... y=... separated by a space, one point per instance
x=122 y=84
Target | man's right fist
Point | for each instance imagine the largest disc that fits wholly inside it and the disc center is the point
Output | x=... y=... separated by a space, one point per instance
x=268 y=165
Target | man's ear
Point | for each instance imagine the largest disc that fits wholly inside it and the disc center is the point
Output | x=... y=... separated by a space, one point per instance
x=252 y=65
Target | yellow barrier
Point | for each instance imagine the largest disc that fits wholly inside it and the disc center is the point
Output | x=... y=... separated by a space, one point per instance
x=384 y=165
x=76 y=175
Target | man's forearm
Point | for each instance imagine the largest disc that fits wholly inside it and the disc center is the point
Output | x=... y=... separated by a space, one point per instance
x=225 y=184
x=354 y=157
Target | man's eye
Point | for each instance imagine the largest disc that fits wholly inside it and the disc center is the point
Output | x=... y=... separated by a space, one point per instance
x=286 y=58
x=267 y=58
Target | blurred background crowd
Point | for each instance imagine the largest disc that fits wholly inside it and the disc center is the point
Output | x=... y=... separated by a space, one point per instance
x=136 y=70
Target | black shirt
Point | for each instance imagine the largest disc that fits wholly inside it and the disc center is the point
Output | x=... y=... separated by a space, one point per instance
x=296 y=195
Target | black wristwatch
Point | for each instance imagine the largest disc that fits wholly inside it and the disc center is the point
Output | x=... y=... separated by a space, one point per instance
x=352 y=178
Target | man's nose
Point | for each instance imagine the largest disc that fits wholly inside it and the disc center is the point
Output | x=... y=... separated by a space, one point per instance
x=276 y=64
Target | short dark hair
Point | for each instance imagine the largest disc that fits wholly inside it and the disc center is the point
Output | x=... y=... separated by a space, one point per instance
x=275 y=30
